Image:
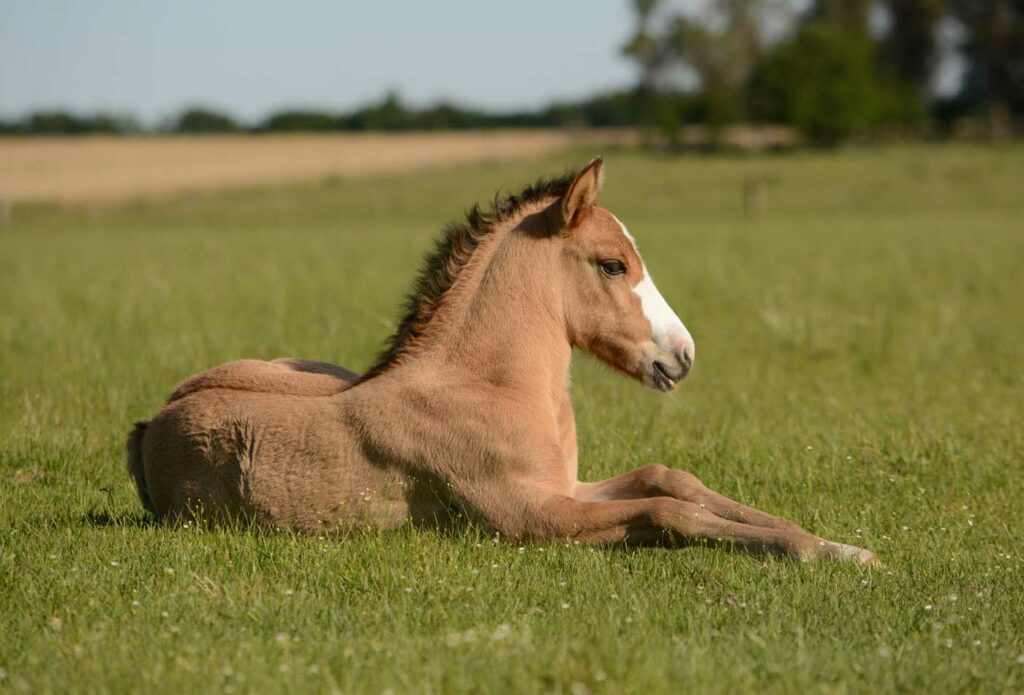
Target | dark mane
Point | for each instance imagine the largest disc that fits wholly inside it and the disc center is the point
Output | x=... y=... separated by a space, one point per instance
x=452 y=251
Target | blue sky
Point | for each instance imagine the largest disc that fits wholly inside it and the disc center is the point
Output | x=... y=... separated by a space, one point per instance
x=249 y=58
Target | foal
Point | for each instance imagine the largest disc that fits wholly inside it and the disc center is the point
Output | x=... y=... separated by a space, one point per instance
x=468 y=409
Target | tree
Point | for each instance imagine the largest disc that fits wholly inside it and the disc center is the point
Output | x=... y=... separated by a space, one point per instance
x=718 y=47
x=199 y=120
x=909 y=49
x=301 y=121
x=722 y=49
x=389 y=114
x=643 y=46
x=645 y=49
x=995 y=55
x=66 y=123
x=850 y=15
x=823 y=81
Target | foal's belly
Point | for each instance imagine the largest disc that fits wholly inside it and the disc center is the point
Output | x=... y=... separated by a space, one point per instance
x=283 y=460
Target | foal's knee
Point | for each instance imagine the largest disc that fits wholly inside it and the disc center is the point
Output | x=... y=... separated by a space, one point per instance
x=651 y=480
x=670 y=514
x=657 y=479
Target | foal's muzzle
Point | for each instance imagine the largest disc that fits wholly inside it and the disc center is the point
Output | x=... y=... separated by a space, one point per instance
x=669 y=368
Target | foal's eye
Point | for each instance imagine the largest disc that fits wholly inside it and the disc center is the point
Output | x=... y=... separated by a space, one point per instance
x=613 y=267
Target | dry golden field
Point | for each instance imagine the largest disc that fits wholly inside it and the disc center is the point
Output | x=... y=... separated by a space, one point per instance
x=110 y=169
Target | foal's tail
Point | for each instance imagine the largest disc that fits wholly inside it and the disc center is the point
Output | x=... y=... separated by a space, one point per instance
x=135 y=466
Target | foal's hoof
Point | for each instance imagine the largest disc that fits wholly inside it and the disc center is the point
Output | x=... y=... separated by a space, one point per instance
x=861 y=556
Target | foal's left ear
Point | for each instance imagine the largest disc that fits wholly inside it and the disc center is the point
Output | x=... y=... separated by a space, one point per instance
x=582 y=194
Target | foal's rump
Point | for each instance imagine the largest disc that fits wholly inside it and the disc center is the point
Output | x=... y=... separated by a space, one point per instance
x=281 y=459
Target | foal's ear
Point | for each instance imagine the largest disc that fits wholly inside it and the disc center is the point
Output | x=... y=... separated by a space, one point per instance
x=582 y=193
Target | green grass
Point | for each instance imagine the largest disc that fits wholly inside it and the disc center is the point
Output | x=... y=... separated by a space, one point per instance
x=859 y=370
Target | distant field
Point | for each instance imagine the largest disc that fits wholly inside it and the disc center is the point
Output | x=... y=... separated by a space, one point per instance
x=104 y=169
x=859 y=370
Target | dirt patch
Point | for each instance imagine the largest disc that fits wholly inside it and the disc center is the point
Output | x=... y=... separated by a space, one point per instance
x=107 y=169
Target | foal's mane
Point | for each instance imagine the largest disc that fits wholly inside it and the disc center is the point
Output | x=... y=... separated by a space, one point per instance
x=452 y=250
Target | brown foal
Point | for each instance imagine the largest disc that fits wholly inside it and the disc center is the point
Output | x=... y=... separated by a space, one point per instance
x=468 y=409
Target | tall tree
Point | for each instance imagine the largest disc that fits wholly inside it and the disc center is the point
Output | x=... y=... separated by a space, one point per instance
x=720 y=45
x=909 y=49
x=852 y=15
x=824 y=81
x=995 y=53
x=643 y=46
x=722 y=48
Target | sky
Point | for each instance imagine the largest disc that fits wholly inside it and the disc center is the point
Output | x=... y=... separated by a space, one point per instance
x=251 y=57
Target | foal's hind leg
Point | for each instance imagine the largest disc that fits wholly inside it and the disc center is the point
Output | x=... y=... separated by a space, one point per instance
x=314 y=367
x=657 y=480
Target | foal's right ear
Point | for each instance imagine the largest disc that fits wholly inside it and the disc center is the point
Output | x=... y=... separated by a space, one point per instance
x=582 y=193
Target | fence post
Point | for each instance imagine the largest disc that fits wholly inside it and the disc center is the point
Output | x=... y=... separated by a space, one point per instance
x=755 y=196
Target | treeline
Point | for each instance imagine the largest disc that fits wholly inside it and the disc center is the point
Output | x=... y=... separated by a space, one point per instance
x=833 y=69
x=66 y=123
x=390 y=114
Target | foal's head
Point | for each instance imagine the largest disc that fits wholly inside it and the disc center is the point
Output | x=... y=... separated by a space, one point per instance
x=614 y=311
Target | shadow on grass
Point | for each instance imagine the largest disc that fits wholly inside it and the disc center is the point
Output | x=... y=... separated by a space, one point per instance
x=105 y=519
x=455 y=528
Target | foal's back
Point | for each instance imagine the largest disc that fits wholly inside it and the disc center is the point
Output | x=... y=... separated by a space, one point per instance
x=287 y=376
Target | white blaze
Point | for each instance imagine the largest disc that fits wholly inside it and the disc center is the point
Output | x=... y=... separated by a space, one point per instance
x=668 y=332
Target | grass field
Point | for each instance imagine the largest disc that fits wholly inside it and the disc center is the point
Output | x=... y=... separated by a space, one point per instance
x=859 y=370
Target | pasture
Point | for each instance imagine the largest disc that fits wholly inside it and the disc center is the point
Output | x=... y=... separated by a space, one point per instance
x=859 y=351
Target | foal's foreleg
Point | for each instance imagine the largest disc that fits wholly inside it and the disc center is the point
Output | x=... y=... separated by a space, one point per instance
x=671 y=520
x=657 y=481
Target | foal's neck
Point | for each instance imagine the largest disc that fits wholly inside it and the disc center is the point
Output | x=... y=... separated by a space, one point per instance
x=504 y=319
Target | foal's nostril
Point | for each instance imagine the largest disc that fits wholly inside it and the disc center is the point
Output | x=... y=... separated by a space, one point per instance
x=686 y=359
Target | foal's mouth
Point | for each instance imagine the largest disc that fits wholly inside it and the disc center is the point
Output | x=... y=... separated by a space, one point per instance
x=662 y=378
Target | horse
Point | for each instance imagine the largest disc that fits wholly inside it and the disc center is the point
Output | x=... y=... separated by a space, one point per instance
x=466 y=413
